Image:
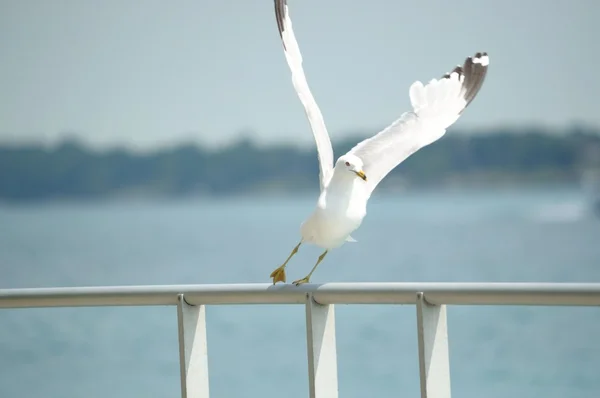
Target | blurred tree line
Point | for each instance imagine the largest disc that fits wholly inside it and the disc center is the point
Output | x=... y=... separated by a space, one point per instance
x=71 y=170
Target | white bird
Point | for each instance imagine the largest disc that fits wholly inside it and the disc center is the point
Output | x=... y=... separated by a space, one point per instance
x=347 y=186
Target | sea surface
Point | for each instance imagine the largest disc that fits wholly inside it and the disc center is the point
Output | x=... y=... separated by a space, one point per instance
x=544 y=235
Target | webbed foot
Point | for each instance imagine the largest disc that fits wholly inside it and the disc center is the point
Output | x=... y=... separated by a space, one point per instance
x=278 y=275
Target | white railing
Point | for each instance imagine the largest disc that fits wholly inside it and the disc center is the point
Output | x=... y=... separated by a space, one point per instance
x=430 y=300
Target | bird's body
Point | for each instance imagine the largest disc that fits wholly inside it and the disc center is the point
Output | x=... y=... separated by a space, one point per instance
x=340 y=210
x=347 y=185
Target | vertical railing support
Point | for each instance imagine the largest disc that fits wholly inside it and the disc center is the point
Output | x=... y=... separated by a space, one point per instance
x=434 y=357
x=322 y=356
x=193 y=358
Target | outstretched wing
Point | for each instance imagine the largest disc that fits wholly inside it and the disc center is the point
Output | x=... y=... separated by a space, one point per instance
x=315 y=118
x=436 y=106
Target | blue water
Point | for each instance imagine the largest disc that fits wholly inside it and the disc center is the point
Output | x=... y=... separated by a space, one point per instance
x=544 y=236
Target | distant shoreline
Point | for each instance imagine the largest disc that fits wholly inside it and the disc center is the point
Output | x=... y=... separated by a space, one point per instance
x=70 y=171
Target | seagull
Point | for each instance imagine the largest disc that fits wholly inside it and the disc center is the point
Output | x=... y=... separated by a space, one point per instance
x=346 y=186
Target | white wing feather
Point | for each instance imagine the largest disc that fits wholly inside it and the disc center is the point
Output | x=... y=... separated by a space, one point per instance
x=436 y=106
x=315 y=118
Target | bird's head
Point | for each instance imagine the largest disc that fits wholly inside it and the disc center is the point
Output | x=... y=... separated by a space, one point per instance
x=353 y=164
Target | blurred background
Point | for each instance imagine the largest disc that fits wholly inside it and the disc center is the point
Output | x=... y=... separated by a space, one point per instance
x=154 y=143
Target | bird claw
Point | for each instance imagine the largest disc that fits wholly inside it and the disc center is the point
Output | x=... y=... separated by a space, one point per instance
x=301 y=281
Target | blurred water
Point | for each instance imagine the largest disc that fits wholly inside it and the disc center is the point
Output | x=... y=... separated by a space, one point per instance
x=260 y=350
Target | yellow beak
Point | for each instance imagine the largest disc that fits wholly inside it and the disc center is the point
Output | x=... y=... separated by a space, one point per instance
x=362 y=175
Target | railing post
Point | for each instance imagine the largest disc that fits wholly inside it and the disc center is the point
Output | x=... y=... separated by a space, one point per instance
x=193 y=358
x=322 y=356
x=434 y=357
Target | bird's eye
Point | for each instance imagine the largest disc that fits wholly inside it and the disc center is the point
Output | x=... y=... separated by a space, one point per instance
x=348 y=164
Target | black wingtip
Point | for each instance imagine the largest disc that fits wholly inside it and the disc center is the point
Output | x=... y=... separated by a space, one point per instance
x=475 y=76
x=473 y=72
x=280 y=9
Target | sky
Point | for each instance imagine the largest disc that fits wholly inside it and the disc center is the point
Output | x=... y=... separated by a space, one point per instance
x=149 y=73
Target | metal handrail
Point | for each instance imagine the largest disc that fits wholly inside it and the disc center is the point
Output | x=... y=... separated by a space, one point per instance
x=430 y=300
x=502 y=293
